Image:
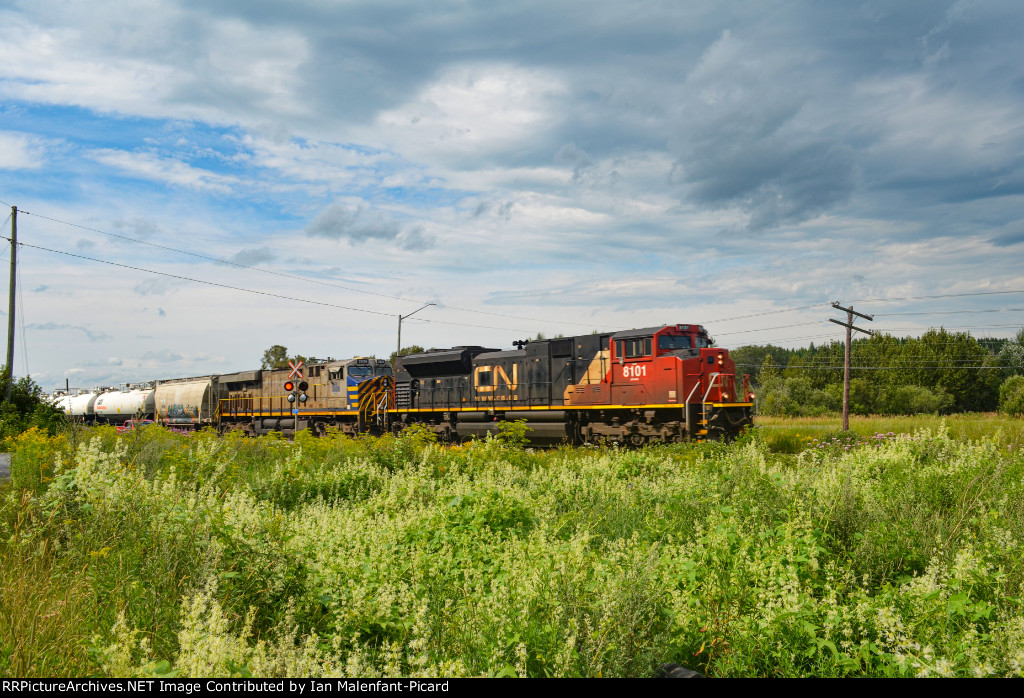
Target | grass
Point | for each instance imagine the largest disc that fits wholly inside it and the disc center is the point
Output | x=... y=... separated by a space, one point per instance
x=792 y=434
x=157 y=553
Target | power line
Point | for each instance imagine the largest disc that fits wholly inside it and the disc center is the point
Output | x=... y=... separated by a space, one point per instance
x=955 y=312
x=882 y=368
x=942 y=295
x=200 y=281
x=957 y=329
x=294 y=276
x=766 y=329
x=891 y=329
x=249 y=290
x=771 y=312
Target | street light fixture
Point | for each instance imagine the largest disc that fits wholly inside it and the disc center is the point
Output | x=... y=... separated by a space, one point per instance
x=402 y=317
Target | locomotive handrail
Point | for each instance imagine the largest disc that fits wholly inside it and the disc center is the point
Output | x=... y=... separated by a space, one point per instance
x=714 y=377
x=382 y=410
x=695 y=386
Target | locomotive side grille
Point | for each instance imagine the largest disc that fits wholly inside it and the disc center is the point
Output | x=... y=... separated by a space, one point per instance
x=403 y=396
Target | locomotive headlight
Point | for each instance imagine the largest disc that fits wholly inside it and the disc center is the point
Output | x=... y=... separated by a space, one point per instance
x=725 y=396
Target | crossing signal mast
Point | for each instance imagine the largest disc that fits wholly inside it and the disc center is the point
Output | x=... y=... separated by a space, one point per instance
x=850 y=312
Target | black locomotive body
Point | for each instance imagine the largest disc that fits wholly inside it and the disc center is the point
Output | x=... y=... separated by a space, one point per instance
x=659 y=384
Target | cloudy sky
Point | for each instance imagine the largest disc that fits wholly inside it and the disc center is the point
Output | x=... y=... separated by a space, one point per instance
x=527 y=167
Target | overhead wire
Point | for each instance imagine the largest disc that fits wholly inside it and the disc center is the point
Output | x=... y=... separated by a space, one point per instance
x=482 y=312
x=880 y=368
x=954 y=312
x=767 y=329
x=199 y=281
x=941 y=295
x=294 y=276
x=772 y=312
x=249 y=290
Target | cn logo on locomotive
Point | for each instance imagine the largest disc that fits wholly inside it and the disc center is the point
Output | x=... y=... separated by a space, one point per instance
x=487 y=378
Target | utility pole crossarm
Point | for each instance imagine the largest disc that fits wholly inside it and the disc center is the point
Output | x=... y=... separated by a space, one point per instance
x=837 y=306
x=852 y=327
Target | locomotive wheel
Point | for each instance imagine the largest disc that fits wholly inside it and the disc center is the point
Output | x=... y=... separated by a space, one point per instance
x=637 y=440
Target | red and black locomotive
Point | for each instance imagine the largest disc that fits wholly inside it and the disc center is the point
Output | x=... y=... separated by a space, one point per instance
x=657 y=384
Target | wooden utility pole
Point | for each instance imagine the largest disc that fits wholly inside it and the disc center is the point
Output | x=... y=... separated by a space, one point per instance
x=850 y=312
x=10 y=306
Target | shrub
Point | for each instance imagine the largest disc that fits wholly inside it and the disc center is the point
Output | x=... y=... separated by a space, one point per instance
x=1011 y=396
x=914 y=399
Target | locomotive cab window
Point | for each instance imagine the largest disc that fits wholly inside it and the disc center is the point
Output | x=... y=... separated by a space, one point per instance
x=359 y=371
x=668 y=342
x=634 y=348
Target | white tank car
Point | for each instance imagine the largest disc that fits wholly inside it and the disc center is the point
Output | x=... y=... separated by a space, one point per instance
x=187 y=402
x=118 y=406
x=62 y=402
x=81 y=406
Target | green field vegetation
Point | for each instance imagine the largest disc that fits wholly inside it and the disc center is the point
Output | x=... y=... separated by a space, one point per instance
x=794 y=434
x=155 y=554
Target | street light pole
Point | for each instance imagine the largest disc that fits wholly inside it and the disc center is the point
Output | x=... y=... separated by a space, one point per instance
x=402 y=317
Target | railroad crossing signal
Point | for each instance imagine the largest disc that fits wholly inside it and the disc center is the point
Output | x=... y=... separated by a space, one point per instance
x=296 y=391
x=296 y=369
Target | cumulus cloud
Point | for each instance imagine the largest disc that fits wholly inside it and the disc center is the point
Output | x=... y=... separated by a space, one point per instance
x=253 y=256
x=138 y=227
x=21 y=151
x=475 y=109
x=358 y=223
x=157 y=286
x=91 y=335
x=162 y=169
x=164 y=356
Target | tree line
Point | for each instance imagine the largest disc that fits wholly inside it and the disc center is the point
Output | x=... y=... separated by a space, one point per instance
x=939 y=372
